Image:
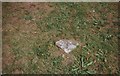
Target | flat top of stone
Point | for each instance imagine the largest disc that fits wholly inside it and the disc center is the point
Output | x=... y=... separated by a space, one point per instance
x=67 y=45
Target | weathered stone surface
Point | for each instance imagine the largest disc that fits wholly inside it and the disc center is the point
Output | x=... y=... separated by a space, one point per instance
x=67 y=45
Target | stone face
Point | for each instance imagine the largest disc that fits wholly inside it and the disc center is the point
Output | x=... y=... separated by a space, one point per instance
x=67 y=45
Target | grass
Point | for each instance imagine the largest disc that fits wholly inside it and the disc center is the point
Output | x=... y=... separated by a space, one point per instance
x=28 y=17
x=56 y=61
x=33 y=46
x=41 y=51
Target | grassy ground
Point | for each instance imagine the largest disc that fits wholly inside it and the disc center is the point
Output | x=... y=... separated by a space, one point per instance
x=30 y=31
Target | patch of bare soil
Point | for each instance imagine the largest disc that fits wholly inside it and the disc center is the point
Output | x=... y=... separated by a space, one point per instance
x=8 y=56
x=15 y=27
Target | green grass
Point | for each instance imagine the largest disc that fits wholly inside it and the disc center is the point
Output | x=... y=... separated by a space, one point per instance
x=41 y=51
x=28 y=17
x=68 y=21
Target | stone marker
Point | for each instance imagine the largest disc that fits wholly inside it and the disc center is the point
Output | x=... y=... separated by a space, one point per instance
x=67 y=45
